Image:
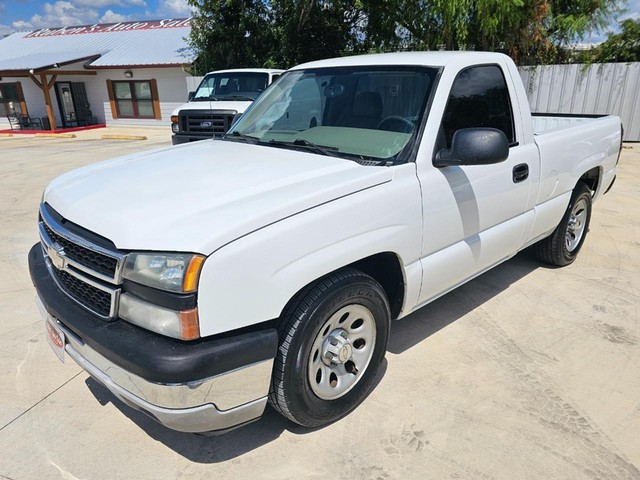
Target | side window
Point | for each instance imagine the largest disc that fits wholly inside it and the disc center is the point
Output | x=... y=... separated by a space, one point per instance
x=11 y=99
x=479 y=98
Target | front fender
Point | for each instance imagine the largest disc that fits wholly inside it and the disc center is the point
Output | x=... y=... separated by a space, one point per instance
x=251 y=279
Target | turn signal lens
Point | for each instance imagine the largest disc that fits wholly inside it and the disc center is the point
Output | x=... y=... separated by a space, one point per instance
x=174 y=118
x=190 y=281
x=189 y=328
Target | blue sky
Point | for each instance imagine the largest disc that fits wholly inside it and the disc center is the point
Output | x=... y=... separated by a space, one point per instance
x=34 y=14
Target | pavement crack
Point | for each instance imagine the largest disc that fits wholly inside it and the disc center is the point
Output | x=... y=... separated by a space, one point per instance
x=39 y=402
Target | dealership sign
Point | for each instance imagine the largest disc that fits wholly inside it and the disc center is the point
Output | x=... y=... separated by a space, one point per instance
x=111 y=27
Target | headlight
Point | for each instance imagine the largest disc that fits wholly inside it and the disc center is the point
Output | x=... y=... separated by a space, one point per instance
x=175 y=128
x=174 y=272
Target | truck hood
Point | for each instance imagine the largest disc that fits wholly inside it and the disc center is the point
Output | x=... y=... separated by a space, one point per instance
x=198 y=197
x=238 y=106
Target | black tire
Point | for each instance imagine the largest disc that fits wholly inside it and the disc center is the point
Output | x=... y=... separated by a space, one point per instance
x=311 y=315
x=563 y=245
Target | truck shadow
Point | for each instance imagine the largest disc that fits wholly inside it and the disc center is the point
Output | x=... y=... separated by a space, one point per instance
x=200 y=448
x=215 y=448
x=404 y=334
x=440 y=313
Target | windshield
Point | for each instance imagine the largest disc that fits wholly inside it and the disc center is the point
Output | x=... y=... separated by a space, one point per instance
x=231 y=86
x=360 y=113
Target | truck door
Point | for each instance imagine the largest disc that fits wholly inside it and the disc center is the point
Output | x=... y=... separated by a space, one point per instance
x=473 y=215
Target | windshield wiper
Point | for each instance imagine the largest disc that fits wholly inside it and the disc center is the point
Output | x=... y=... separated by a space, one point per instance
x=239 y=98
x=246 y=138
x=204 y=99
x=299 y=142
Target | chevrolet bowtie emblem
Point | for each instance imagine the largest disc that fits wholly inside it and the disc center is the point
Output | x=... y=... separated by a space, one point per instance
x=57 y=256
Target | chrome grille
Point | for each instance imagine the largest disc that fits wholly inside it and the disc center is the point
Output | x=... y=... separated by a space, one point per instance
x=88 y=296
x=88 y=258
x=88 y=273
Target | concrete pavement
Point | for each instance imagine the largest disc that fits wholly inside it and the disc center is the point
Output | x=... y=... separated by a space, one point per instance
x=525 y=372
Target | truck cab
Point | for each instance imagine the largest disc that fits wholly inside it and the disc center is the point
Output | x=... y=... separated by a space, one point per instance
x=220 y=97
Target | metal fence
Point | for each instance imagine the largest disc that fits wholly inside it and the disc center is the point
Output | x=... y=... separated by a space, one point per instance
x=609 y=88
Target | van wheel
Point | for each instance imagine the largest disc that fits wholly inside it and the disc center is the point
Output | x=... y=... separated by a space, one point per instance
x=562 y=246
x=333 y=337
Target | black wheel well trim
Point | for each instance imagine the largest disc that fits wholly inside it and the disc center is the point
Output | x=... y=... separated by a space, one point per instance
x=384 y=267
x=591 y=178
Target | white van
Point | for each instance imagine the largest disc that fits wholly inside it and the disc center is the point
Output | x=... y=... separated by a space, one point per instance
x=218 y=99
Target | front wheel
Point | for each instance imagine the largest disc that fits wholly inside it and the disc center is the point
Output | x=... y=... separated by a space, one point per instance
x=562 y=246
x=333 y=338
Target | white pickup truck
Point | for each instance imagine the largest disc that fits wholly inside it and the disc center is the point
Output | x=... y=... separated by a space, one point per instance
x=199 y=282
x=219 y=98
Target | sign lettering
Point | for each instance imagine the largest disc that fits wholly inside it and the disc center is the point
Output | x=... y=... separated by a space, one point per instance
x=111 y=27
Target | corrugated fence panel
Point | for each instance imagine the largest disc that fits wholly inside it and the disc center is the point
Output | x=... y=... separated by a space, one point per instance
x=610 y=88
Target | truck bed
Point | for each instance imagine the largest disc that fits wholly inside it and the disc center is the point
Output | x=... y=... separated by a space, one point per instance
x=550 y=122
x=570 y=145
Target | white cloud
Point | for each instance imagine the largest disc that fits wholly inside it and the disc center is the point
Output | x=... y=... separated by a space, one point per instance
x=6 y=30
x=170 y=9
x=21 y=25
x=64 y=13
x=112 y=17
x=59 y=14
x=111 y=3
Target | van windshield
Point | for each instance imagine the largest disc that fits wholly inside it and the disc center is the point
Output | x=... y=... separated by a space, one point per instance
x=359 y=113
x=231 y=86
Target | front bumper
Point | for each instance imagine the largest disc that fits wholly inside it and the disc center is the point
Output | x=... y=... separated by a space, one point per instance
x=201 y=386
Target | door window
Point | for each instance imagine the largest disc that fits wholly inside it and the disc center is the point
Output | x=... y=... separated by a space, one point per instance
x=479 y=98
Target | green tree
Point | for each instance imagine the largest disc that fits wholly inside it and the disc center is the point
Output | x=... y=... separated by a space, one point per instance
x=236 y=33
x=530 y=31
x=307 y=30
x=621 y=47
x=230 y=34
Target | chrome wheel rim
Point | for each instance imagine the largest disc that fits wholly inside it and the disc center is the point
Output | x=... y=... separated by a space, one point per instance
x=577 y=224
x=341 y=352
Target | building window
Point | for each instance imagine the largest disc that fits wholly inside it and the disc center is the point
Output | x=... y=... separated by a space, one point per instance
x=134 y=99
x=11 y=99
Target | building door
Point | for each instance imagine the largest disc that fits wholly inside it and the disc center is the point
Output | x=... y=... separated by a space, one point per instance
x=73 y=104
x=66 y=105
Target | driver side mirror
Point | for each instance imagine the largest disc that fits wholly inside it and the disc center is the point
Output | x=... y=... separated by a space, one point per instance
x=191 y=94
x=474 y=146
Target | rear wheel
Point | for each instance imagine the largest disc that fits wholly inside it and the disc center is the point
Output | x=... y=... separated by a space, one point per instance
x=562 y=246
x=333 y=338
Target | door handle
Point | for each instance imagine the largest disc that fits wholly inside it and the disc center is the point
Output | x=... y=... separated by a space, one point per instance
x=520 y=172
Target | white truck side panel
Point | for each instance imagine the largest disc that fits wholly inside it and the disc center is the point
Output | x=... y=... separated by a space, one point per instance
x=567 y=154
x=251 y=279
